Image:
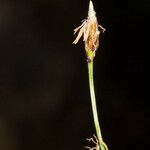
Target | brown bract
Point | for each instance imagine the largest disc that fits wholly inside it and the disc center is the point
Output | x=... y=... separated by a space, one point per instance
x=89 y=29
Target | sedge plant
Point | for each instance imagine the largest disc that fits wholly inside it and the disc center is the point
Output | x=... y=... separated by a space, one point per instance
x=90 y=30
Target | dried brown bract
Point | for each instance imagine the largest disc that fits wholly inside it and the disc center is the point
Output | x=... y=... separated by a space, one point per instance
x=95 y=141
x=89 y=29
x=98 y=144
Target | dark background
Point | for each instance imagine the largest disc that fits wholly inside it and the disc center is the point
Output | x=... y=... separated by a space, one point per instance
x=44 y=94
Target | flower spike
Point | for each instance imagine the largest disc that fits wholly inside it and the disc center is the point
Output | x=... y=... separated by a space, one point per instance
x=89 y=29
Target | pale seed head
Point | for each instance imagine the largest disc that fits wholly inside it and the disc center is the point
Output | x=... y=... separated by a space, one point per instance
x=90 y=32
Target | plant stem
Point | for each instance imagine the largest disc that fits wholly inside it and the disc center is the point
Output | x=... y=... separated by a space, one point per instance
x=94 y=107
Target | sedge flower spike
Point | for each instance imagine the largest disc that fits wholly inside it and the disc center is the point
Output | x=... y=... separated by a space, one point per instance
x=89 y=29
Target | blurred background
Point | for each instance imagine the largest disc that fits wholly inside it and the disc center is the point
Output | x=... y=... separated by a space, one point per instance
x=44 y=94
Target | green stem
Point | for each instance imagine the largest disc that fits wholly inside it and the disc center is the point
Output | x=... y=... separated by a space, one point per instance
x=94 y=107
